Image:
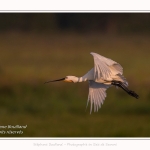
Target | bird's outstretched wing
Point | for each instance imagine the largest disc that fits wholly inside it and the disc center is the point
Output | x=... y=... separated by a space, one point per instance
x=97 y=94
x=105 y=67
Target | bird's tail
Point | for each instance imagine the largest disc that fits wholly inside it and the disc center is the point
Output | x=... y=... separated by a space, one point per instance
x=121 y=85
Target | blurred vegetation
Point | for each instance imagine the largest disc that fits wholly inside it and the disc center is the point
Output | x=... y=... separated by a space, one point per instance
x=119 y=23
x=28 y=58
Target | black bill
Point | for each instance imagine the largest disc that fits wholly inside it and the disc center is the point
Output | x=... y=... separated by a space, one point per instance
x=55 y=80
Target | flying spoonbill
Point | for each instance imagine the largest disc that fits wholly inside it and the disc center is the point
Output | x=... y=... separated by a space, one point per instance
x=105 y=74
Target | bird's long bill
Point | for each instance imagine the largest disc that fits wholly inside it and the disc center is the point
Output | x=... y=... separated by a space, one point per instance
x=62 y=79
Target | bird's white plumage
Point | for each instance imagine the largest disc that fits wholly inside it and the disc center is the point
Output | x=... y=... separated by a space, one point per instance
x=105 y=70
x=104 y=67
x=97 y=94
x=105 y=73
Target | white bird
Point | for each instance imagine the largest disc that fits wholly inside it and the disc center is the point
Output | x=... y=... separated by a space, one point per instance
x=105 y=74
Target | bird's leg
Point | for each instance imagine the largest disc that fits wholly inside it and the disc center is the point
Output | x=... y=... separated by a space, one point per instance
x=121 y=85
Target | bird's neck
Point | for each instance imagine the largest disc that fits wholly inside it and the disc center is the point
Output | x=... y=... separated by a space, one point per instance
x=88 y=76
x=82 y=79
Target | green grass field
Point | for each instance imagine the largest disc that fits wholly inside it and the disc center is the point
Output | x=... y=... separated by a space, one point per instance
x=27 y=60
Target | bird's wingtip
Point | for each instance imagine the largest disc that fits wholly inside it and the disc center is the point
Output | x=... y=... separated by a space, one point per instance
x=92 y=53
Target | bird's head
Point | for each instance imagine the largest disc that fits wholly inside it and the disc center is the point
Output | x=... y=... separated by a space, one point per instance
x=73 y=79
x=66 y=79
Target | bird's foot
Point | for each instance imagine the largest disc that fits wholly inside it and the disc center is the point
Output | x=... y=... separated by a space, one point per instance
x=121 y=85
x=132 y=93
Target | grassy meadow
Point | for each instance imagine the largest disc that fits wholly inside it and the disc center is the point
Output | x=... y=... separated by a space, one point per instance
x=58 y=109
